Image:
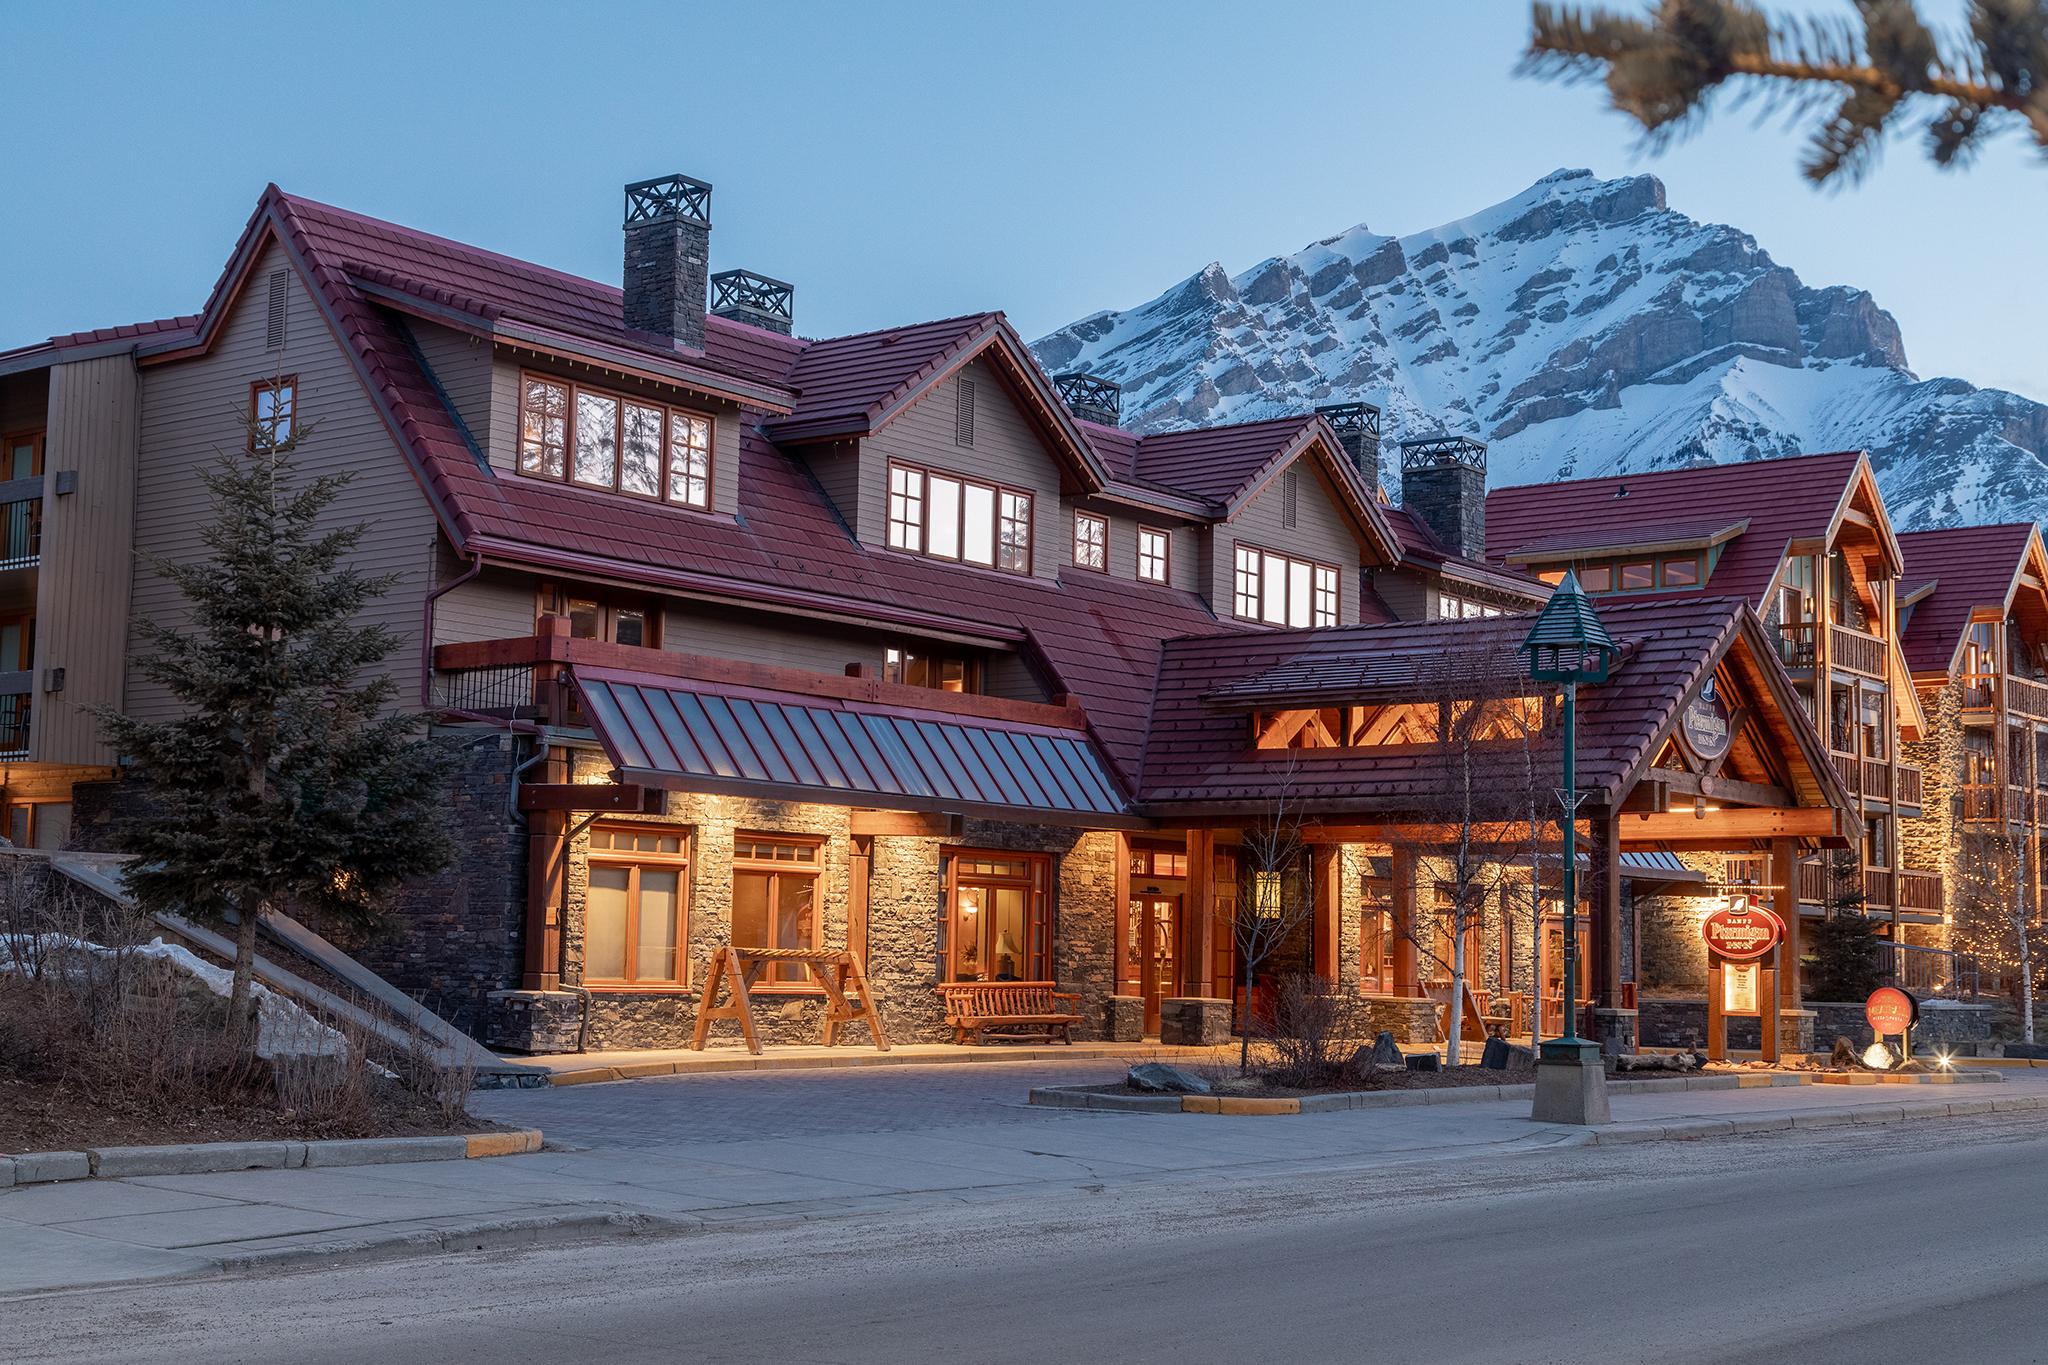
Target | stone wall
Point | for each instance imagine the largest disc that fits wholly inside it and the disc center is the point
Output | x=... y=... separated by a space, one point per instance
x=1932 y=839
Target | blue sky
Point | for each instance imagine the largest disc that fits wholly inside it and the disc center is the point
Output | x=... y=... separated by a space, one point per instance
x=908 y=160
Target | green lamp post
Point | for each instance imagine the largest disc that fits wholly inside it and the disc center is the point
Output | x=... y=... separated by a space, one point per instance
x=1568 y=645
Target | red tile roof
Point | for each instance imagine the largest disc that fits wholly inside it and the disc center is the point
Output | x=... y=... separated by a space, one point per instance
x=1783 y=499
x=1970 y=567
x=129 y=331
x=848 y=382
x=1199 y=749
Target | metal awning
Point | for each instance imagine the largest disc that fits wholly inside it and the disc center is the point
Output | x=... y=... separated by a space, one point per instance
x=689 y=735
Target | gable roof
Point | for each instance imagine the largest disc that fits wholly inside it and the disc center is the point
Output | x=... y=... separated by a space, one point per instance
x=1783 y=500
x=1954 y=572
x=1198 y=750
x=1420 y=547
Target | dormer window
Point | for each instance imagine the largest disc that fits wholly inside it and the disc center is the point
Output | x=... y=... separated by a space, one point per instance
x=1283 y=591
x=1091 y=542
x=944 y=516
x=1155 y=553
x=606 y=440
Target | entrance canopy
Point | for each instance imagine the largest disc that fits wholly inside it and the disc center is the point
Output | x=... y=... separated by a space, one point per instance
x=697 y=735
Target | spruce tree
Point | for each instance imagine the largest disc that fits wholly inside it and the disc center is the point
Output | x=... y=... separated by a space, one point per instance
x=286 y=782
x=1867 y=69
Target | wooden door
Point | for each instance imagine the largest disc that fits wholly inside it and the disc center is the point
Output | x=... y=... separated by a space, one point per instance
x=1551 y=1019
x=1155 y=948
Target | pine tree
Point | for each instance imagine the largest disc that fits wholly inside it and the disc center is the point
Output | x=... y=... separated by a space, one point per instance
x=1662 y=69
x=286 y=782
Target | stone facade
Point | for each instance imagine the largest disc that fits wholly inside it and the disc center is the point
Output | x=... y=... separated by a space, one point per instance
x=1194 y=1021
x=1933 y=839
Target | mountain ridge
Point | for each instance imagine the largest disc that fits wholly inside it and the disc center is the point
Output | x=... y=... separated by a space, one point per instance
x=1580 y=327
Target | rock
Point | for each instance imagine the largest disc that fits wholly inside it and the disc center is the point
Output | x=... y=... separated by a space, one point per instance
x=1844 y=1053
x=1425 y=1061
x=1385 y=1051
x=1494 y=1056
x=1157 y=1076
x=1657 y=1061
x=1521 y=1058
x=2032 y=1051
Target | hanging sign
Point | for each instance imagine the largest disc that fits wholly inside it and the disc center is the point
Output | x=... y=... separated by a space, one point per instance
x=1704 y=724
x=1742 y=930
x=1890 y=1010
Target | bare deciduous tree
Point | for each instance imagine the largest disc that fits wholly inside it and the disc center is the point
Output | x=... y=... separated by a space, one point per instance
x=1275 y=897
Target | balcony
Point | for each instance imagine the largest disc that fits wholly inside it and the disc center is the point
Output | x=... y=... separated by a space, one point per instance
x=21 y=523
x=1985 y=803
x=14 y=714
x=2026 y=698
x=1850 y=651
x=1871 y=778
x=1919 y=891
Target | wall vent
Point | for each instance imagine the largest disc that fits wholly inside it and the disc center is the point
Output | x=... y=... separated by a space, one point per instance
x=1290 y=498
x=963 y=414
x=280 y=287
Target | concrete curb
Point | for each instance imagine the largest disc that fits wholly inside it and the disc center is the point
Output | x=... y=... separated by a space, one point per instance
x=546 y=1229
x=209 y=1158
x=1675 y=1129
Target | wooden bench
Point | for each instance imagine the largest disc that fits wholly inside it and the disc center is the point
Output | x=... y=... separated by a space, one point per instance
x=1009 y=1009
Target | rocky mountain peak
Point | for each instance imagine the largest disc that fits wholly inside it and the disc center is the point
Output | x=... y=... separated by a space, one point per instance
x=1580 y=327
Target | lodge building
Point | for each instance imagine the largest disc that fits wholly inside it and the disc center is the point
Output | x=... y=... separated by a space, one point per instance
x=896 y=644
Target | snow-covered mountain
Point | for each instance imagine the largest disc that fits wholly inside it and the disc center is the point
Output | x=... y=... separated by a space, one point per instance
x=1580 y=328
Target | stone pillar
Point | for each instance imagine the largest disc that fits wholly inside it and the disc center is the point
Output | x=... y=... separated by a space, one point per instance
x=547 y=870
x=1191 y=1021
x=1123 y=1019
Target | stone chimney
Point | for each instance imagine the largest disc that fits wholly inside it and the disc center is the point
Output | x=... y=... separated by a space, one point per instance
x=1358 y=427
x=1443 y=482
x=1091 y=398
x=754 y=299
x=668 y=250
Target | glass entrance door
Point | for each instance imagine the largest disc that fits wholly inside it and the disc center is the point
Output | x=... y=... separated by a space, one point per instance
x=1552 y=1017
x=1155 y=951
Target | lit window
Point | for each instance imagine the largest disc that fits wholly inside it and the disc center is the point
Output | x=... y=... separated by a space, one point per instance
x=619 y=622
x=775 y=899
x=941 y=672
x=1283 y=591
x=1154 y=548
x=1552 y=576
x=1091 y=541
x=604 y=440
x=273 y=410
x=997 y=925
x=634 y=907
x=1638 y=576
x=953 y=518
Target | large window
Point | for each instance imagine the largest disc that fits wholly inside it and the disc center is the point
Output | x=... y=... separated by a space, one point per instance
x=1451 y=607
x=607 y=440
x=775 y=898
x=1284 y=591
x=997 y=922
x=948 y=517
x=273 y=412
x=634 y=907
x=1155 y=553
x=941 y=672
x=595 y=616
x=1091 y=542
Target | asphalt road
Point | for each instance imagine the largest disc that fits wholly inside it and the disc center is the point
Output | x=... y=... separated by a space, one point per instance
x=1914 y=1242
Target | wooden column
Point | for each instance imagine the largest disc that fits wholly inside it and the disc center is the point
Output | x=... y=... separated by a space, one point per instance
x=1717 y=1013
x=1198 y=911
x=1126 y=971
x=1329 y=910
x=1402 y=887
x=1785 y=900
x=547 y=878
x=859 y=865
x=1767 y=1005
x=1603 y=886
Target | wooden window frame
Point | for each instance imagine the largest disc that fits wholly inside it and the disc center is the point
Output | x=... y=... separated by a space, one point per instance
x=1259 y=575
x=1665 y=566
x=775 y=869
x=665 y=448
x=1621 y=583
x=1097 y=519
x=972 y=679
x=1605 y=582
x=262 y=436
x=635 y=860
x=923 y=499
x=554 y=599
x=1039 y=906
x=1165 y=555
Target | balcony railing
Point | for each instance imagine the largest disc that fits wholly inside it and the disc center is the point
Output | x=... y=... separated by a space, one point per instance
x=21 y=526
x=1912 y=787
x=1856 y=652
x=1796 y=643
x=1986 y=802
x=1920 y=892
x=1872 y=779
x=2026 y=698
x=14 y=714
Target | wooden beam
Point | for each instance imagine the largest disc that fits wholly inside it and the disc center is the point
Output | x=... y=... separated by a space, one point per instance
x=907 y=824
x=1737 y=823
x=1722 y=788
x=604 y=797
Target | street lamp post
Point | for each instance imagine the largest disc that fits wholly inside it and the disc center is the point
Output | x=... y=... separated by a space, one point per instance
x=1568 y=645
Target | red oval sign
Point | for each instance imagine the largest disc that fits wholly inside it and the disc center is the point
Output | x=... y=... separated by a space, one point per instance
x=1742 y=930
x=1889 y=1010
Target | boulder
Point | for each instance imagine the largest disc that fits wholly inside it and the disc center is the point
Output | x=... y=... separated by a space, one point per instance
x=1157 y=1076
x=1425 y=1061
x=1498 y=1054
x=1385 y=1051
x=1521 y=1058
x=1844 y=1053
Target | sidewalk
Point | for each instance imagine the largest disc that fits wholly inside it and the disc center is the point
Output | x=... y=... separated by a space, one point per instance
x=698 y=1153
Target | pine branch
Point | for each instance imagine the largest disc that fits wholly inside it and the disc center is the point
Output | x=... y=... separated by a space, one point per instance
x=1663 y=68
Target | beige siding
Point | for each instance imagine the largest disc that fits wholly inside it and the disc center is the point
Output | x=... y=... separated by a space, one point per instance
x=88 y=537
x=1183 y=565
x=1006 y=449
x=193 y=411
x=752 y=637
x=497 y=604
x=1321 y=532
x=500 y=434
x=461 y=365
x=837 y=466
